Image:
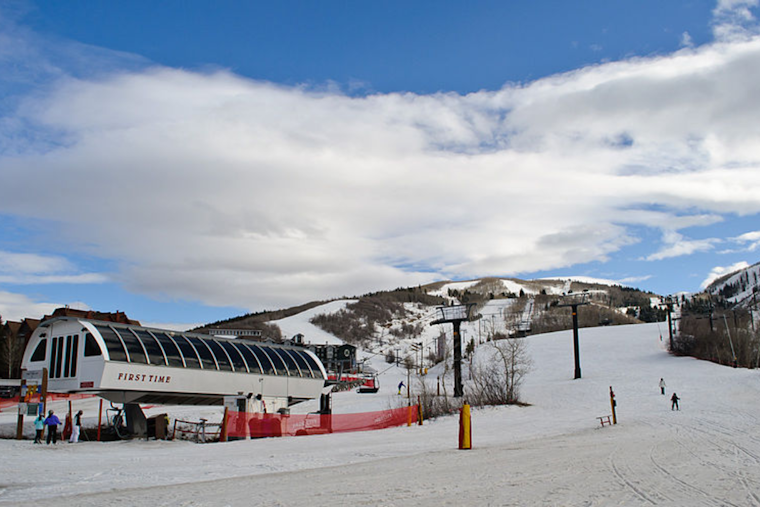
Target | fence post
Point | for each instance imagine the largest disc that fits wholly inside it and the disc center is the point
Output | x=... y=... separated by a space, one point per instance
x=202 y=427
x=465 y=428
x=21 y=409
x=223 y=431
x=100 y=417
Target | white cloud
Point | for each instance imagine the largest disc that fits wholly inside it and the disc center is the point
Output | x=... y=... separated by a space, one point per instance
x=676 y=246
x=749 y=241
x=18 y=306
x=634 y=279
x=87 y=278
x=686 y=40
x=734 y=20
x=719 y=271
x=25 y=268
x=748 y=237
x=230 y=191
x=23 y=263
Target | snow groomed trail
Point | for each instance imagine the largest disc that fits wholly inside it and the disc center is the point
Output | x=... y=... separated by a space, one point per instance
x=550 y=453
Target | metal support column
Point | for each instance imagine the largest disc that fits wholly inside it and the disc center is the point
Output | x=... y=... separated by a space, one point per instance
x=576 y=347
x=458 y=389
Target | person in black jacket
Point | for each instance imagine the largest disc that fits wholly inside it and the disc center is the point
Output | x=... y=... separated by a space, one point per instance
x=674 y=399
x=76 y=428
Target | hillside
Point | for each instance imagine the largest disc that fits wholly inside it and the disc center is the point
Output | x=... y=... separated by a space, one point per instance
x=552 y=452
x=395 y=325
x=720 y=324
x=510 y=306
x=739 y=288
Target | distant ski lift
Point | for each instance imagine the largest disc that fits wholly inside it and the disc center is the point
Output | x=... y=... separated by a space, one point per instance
x=573 y=299
x=453 y=313
x=371 y=384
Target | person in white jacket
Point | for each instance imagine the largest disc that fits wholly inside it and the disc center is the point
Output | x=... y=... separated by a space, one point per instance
x=662 y=386
x=76 y=428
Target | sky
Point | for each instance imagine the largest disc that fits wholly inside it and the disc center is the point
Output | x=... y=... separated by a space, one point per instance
x=187 y=161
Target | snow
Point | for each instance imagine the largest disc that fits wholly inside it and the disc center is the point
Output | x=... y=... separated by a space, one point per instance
x=299 y=323
x=552 y=452
x=515 y=287
x=751 y=273
x=458 y=286
x=584 y=279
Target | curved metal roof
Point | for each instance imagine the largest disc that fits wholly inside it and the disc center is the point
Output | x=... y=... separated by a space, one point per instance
x=143 y=345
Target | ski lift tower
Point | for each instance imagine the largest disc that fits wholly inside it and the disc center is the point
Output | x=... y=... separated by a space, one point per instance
x=455 y=315
x=574 y=301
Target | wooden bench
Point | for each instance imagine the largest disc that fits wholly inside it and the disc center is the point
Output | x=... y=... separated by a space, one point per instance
x=604 y=419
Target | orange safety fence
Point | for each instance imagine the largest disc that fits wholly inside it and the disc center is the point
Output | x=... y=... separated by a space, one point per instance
x=13 y=402
x=241 y=424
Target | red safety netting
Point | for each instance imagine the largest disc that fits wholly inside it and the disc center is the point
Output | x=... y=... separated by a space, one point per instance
x=13 y=402
x=241 y=424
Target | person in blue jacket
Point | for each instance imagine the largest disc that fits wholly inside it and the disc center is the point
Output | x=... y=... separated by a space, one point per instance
x=52 y=423
x=39 y=428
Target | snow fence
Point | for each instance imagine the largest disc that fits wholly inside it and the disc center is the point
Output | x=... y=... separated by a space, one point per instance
x=7 y=403
x=241 y=424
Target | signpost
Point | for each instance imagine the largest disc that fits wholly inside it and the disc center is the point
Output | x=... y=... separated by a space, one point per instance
x=21 y=411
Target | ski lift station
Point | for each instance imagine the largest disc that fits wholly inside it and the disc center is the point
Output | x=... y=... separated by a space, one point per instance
x=131 y=364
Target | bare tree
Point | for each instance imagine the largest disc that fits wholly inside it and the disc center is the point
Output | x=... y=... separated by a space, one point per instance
x=11 y=351
x=270 y=332
x=498 y=371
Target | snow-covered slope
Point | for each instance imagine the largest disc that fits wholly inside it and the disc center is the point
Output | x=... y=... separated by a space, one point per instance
x=452 y=286
x=552 y=452
x=299 y=323
x=739 y=287
x=585 y=279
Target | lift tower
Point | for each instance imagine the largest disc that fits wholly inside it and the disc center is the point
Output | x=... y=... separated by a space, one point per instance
x=574 y=301
x=455 y=314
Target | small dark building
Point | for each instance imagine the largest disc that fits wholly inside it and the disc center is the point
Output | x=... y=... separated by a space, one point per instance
x=336 y=358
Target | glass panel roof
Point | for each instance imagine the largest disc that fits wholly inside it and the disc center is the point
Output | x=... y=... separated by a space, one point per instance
x=188 y=350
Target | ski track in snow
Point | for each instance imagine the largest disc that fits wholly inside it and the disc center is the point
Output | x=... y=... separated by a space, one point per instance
x=550 y=453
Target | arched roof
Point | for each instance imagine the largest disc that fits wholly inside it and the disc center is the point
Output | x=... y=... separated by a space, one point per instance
x=142 y=345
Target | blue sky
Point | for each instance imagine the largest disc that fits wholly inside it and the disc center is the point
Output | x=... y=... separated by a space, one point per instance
x=191 y=161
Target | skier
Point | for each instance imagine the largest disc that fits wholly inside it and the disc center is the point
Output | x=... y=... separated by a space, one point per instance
x=662 y=386
x=39 y=428
x=674 y=399
x=400 y=385
x=52 y=423
x=76 y=428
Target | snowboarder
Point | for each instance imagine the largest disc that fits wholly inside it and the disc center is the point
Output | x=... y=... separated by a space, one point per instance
x=662 y=386
x=674 y=399
x=400 y=385
x=76 y=428
x=52 y=423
